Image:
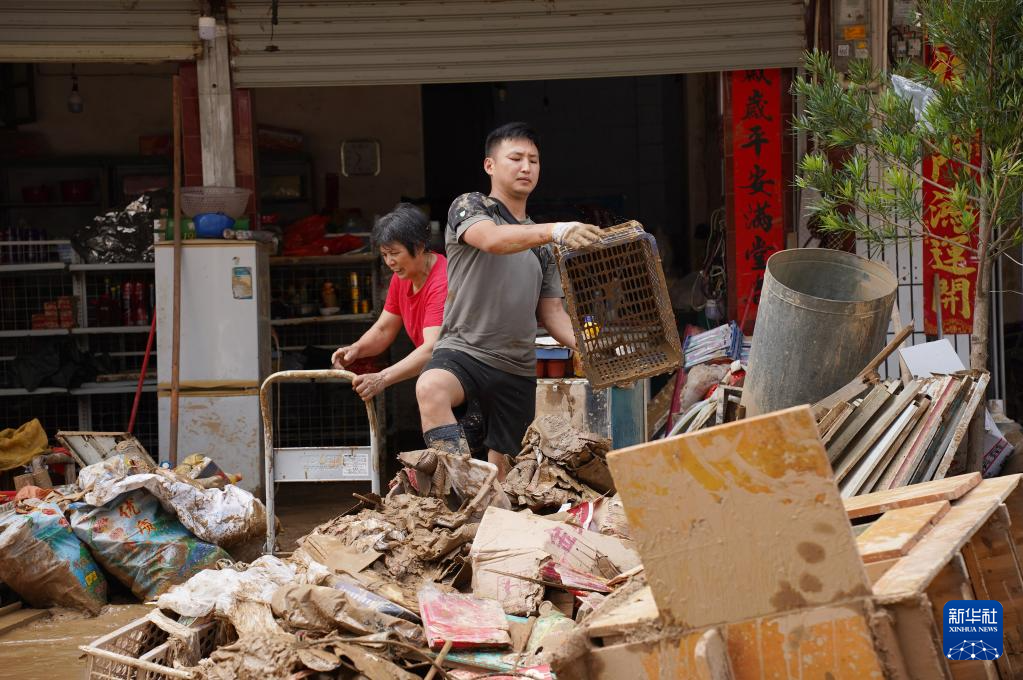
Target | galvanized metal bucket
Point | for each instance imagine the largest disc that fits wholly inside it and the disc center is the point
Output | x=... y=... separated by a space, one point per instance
x=823 y=315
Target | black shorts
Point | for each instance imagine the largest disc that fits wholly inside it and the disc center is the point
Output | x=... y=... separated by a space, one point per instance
x=507 y=402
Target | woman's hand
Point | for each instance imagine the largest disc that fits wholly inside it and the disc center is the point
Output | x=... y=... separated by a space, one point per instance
x=369 y=385
x=343 y=356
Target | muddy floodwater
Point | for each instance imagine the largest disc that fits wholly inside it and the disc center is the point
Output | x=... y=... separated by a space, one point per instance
x=48 y=649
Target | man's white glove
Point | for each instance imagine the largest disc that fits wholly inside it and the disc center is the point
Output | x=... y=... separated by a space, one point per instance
x=575 y=234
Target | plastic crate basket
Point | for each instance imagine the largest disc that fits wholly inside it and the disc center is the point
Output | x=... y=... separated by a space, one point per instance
x=618 y=302
x=146 y=650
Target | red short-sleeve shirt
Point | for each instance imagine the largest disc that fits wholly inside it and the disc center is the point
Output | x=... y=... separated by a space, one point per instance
x=424 y=308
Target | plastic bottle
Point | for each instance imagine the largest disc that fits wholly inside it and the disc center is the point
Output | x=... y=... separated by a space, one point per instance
x=126 y=300
x=329 y=295
x=353 y=282
x=140 y=307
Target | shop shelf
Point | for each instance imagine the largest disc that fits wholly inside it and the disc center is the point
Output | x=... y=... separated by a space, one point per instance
x=113 y=266
x=115 y=387
x=21 y=391
x=32 y=267
x=50 y=204
x=335 y=318
x=34 y=333
x=95 y=330
x=356 y=258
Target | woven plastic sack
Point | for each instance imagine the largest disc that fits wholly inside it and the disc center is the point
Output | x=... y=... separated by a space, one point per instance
x=140 y=544
x=46 y=564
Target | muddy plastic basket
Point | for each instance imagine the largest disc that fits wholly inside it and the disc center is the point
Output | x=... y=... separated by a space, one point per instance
x=618 y=302
x=143 y=650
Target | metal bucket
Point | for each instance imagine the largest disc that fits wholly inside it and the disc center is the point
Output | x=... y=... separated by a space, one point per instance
x=823 y=315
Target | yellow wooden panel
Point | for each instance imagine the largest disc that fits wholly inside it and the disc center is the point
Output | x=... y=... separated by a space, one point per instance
x=898 y=530
x=756 y=522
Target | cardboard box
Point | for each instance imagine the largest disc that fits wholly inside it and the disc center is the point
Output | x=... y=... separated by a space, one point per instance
x=517 y=543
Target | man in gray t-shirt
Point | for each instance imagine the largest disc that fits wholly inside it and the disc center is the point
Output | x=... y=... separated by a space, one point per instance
x=502 y=279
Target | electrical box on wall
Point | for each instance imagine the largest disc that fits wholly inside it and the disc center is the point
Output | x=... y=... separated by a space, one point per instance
x=851 y=32
x=905 y=39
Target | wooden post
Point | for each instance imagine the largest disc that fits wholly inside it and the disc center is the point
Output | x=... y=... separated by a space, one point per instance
x=216 y=122
x=172 y=454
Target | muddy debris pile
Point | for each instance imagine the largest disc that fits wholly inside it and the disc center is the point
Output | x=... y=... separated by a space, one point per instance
x=124 y=520
x=447 y=576
x=559 y=464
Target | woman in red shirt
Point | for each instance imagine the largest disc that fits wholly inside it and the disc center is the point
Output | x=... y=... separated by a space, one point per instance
x=415 y=299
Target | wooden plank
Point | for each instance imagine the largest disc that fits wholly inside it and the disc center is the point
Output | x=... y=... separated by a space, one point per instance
x=919 y=639
x=757 y=525
x=711 y=657
x=953 y=583
x=825 y=423
x=8 y=608
x=20 y=618
x=876 y=428
x=880 y=454
x=917 y=446
x=914 y=472
x=657 y=409
x=954 y=414
x=891 y=458
x=993 y=564
x=836 y=426
x=875 y=570
x=637 y=610
x=865 y=413
x=912 y=574
x=216 y=127
x=853 y=389
x=833 y=642
x=899 y=530
x=963 y=425
x=824 y=642
x=882 y=501
x=866 y=377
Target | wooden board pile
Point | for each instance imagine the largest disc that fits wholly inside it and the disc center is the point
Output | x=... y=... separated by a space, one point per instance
x=763 y=576
x=894 y=433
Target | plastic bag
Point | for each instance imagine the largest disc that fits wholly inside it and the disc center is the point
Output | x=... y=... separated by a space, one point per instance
x=124 y=235
x=43 y=561
x=918 y=95
x=225 y=517
x=218 y=590
x=142 y=545
x=308 y=236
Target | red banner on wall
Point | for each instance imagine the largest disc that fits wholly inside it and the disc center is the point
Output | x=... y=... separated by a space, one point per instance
x=757 y=130
x=950 y=269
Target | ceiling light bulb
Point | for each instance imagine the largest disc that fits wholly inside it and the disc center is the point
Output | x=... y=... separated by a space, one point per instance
x=75 y=103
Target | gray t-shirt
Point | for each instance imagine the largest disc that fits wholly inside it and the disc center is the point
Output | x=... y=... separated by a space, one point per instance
x=490 y=311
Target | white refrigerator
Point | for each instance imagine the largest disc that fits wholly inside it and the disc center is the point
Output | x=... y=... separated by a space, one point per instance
x=224 y=352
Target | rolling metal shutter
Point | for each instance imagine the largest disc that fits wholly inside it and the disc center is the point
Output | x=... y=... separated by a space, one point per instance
x=98 y=30
x=361 y=42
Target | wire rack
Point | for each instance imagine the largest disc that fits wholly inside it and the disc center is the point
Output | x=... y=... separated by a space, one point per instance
x=618 y=302
x=23 y=295
x=122 y=352
x=55 y=411
x=297 y=285
x=115 y=284
x=321 y=414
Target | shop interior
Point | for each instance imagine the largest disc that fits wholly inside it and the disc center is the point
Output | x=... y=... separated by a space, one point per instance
x=81 y=140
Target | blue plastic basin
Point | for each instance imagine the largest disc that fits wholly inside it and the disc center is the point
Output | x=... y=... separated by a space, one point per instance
x=211 y=225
